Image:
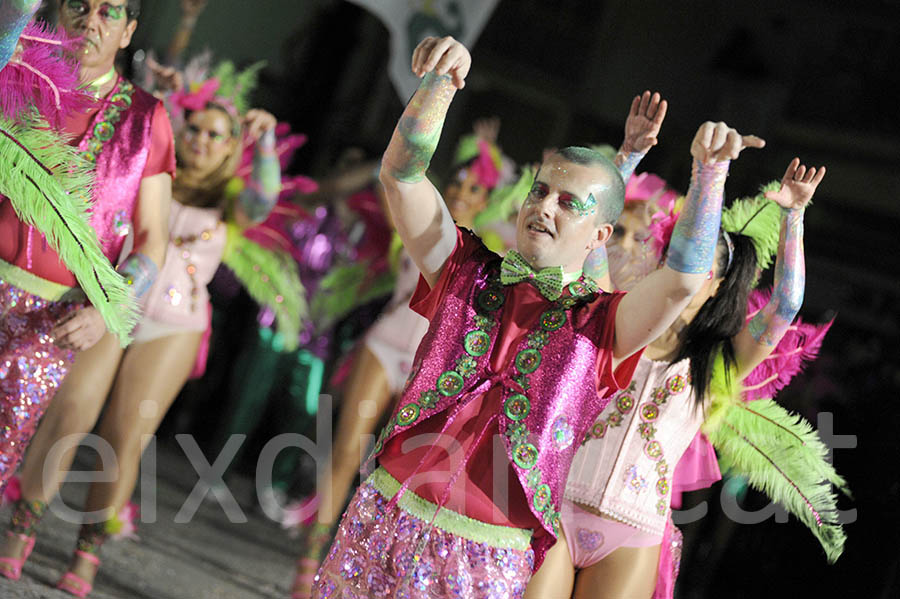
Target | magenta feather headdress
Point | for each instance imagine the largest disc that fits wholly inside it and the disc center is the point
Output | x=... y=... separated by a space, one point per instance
x=647 y=186
x=43 y=76
x=799 y=346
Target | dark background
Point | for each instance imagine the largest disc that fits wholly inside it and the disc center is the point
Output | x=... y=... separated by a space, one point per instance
x=815 y=79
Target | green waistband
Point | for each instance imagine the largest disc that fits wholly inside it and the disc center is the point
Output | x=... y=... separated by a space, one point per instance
x=35 y=285
x=503 y=537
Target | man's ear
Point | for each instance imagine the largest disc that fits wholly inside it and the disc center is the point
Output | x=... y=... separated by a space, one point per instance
x=604 y=233
x=126 y=35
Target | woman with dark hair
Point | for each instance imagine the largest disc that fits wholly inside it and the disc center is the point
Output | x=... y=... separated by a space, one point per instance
x=139 y=385
x=616 y=512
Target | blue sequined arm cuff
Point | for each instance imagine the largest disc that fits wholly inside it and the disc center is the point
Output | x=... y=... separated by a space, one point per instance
x=139 y=272
x=693 y=246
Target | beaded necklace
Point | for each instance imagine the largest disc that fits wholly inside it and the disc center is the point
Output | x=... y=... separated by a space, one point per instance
x=181 y=242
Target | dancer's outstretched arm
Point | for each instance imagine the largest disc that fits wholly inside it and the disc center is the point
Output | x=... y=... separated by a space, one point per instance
x=763 y=332
x=656 y=302
x=257 y=199
x=418 y=210
x=641 y=130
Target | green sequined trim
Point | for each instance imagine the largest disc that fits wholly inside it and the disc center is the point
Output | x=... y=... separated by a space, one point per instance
x=517 y=407
x=503 y=537
x=525 y=455
x=408 y=414
x=477 y=343
x=105 y=129
x=528 y=360
x=450 y=383
x=553 y=320
x=35 y=285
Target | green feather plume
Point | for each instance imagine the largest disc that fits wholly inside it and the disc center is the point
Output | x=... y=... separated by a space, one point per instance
x=505 y=201
x=237 y=86
x=271 y=278
x=49 y=185
x=781 y=455
x=606 y=150
x=759 y=219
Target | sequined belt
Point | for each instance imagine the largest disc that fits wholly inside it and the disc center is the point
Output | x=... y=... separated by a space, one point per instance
x=35 y=285
x=505 y=537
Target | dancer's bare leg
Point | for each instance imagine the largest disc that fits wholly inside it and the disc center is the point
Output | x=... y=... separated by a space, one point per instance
x=556 y=576
x=151 y=375
x=627 y=572
x=73 y=411
x=367 y=397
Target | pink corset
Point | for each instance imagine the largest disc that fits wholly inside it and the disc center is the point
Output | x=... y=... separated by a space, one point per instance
x=624 y=467
x=196 y=243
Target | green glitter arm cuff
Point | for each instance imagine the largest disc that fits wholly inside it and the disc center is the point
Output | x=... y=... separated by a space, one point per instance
x=417 y=133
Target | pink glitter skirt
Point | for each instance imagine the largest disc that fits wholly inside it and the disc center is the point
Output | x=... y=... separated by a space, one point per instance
x=31 y=369
x=383 y=551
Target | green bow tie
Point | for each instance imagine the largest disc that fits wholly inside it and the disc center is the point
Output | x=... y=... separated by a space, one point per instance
x=515 y=269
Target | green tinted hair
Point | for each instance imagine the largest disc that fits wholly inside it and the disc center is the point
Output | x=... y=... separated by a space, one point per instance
x=612 y=203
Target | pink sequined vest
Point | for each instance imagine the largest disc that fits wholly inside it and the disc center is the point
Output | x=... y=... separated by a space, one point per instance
x=118 y=138
x=550 y=397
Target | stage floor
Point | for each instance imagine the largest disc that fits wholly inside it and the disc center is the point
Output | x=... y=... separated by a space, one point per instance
x=207 y=558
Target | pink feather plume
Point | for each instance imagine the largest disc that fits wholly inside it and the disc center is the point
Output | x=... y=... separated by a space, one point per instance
x=43 y=76
x=799 y=346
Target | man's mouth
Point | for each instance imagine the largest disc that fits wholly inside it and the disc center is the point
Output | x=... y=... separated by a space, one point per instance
x=539 y=228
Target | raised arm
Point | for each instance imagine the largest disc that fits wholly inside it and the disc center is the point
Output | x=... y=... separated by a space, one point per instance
x=259 y=196
x=417 y=208
x=763 y=332
x=654 y=304
x=14 y=15
x=641 y=130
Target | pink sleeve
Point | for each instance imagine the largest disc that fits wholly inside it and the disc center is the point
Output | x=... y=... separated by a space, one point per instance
x=426 y=300
x=162 y=145
x=608 y=380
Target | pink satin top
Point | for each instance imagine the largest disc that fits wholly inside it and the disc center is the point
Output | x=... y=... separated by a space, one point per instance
x=196 y=243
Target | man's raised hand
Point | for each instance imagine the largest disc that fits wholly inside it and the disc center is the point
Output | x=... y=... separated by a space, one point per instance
x=444 y=56
x=716 y=142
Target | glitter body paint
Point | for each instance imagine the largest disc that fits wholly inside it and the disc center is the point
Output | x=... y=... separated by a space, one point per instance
x=772 y=322
x=31 y=368
x=14 y=15
x=627 y=163
x=417 y=133
x=693 y=246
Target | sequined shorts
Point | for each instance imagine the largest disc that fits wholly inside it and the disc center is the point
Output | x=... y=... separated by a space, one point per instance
x=31 y=368
x=392 y=551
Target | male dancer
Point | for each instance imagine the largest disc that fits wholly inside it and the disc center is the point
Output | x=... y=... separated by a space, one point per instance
x=127 y=136
x=522 y=348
